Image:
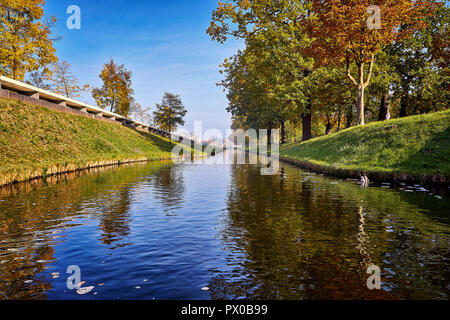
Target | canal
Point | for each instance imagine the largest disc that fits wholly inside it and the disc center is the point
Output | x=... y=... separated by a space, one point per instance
x=212 y=231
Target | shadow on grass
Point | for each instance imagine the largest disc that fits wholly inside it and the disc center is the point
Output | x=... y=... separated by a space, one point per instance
x=161 y=143
x=433 y=157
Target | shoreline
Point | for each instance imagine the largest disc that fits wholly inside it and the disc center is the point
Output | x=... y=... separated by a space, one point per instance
x=373 y=175
x=28 y=176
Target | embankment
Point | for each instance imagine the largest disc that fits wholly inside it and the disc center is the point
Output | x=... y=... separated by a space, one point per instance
x=412 y=149
x=37 y=142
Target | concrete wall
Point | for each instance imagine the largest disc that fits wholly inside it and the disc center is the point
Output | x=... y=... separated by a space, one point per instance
x=52 y=106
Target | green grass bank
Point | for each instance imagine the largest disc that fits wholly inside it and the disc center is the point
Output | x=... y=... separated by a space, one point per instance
x=37 y=142
x=410 y=149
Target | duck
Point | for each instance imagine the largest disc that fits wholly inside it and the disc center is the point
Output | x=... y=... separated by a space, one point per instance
x=364 y=181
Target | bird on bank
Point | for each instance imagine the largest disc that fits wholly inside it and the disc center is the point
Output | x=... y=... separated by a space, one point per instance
x=364 y=181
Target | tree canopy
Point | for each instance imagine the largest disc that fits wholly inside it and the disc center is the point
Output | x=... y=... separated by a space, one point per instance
x=340 y=34
x=116 y=92
x=64 y=82
x=25 y=42
x=302 y=58
x=170 y=113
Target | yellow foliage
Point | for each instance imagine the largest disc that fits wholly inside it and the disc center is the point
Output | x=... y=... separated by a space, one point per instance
x=25 y=43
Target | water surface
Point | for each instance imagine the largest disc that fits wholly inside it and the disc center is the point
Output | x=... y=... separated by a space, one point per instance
x=165 y=231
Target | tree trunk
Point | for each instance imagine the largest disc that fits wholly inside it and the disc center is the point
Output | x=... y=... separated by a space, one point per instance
x=404 y=106
x=293 y=138
x=339 y=120
x=360 y=104
x=384 y=108
x=269 y=136
x=15 y=69
x=283 y=132
x=111 y=106
x=361 y=84
x=349 y=117
x=328 y=127
x=306 y=122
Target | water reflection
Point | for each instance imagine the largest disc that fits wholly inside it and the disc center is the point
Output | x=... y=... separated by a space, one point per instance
x=34 y=217
x=169 y=187
x=170 y=230
x=115 y=217
x=301 y=236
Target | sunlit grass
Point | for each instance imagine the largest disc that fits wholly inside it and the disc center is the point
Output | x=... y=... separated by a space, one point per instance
x=419 y=144
x=36 y=138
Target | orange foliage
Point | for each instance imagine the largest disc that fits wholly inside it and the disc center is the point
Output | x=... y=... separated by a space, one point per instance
x=339 y=29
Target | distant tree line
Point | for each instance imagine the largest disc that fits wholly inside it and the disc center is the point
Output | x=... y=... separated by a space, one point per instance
x=27 y=54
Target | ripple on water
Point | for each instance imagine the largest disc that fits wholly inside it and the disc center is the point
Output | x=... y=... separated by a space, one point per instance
x=222 y=232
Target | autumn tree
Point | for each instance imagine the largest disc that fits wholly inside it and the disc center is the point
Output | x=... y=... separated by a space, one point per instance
x=438 y=31
x=170 y=113
x=25 y=38
x=64 y=82
x=275 y=37
x=348 y=33
x=263 y=87
x=116 y=92
x=249 y=101
x=39 y=79
x=142 y=114
x=244 y=19
x=420 y=67
x=331 y=97
x=409 y=76
x=378 y=105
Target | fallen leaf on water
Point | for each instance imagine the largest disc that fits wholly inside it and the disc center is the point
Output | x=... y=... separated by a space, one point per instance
x=85 y=290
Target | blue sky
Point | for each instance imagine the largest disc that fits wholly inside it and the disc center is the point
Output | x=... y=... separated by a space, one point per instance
x=164 y=43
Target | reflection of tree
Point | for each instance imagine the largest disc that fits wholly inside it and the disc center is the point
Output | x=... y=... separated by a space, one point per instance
x=24 y=266
x=33 y=217
x=362 y=238
x=297 y=236
x=115 y=217
x=169 y=187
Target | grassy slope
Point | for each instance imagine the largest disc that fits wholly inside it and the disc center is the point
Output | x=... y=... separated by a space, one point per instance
x=414 y=145
x=33 y=138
